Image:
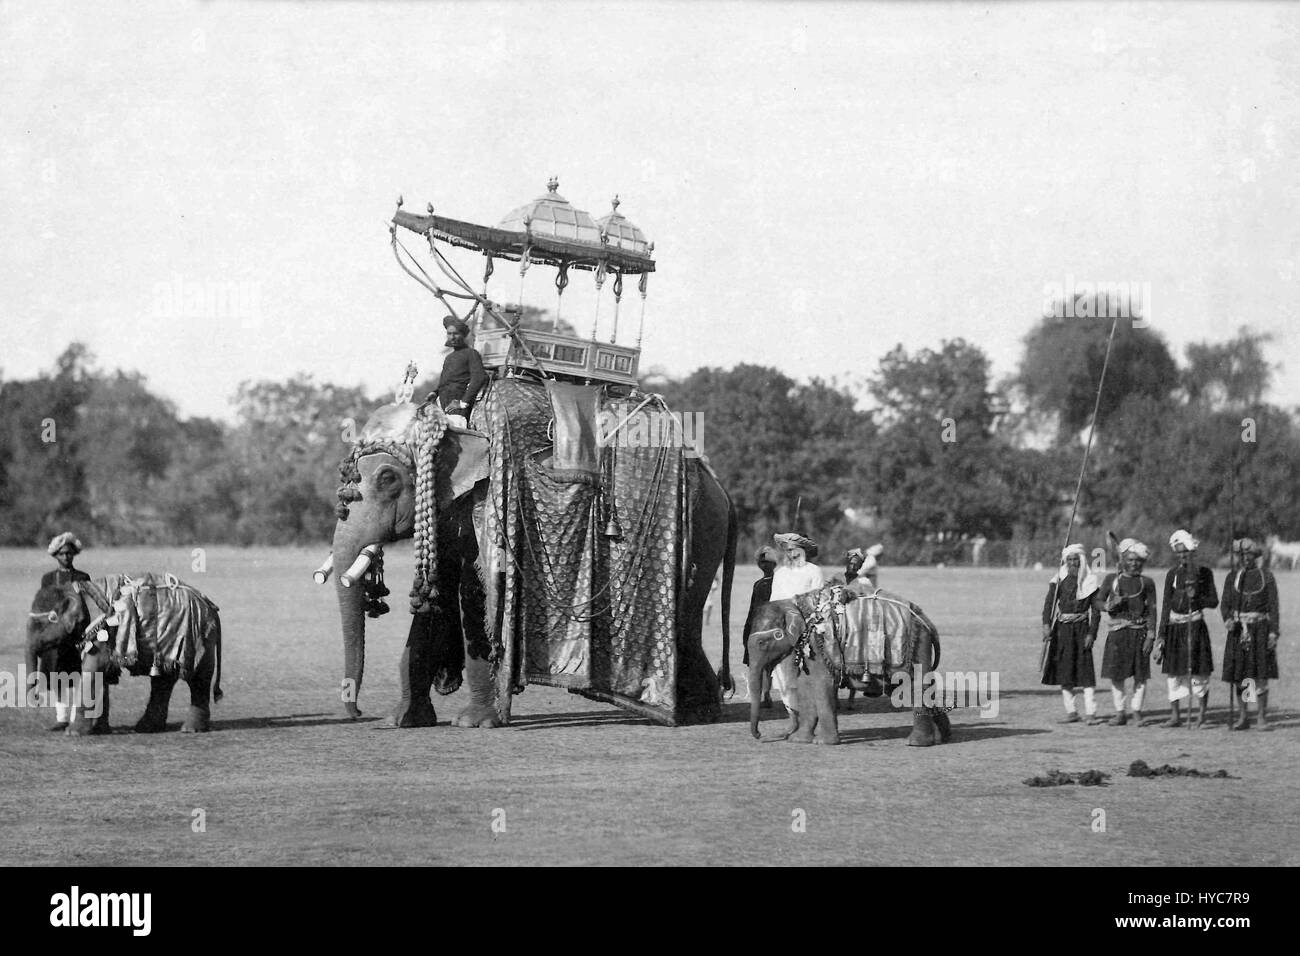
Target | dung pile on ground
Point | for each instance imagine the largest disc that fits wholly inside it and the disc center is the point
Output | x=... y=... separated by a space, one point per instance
x=1059 y=778
x=1139 y=768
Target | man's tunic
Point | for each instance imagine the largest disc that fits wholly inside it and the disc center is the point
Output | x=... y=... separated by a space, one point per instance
x=1130 y=627
x=1181 y=617
x=1069 y=660
x=1250 y=601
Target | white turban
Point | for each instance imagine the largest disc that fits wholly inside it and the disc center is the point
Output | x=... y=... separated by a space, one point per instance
x=1183 y=539
x=65 y=540
x=1087 y=581
x=1136 y=546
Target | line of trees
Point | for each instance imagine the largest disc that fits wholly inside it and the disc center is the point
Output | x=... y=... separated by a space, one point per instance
x=928 y=453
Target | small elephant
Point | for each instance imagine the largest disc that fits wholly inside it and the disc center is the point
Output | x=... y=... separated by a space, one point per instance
x=805 y=624
x=155 y=626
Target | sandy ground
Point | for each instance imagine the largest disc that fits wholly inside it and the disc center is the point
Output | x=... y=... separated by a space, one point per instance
x=285 y=779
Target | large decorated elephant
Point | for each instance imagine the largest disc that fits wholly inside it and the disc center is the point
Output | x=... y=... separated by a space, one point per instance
x=158 y=626
x=811 y=627
x=410 y=474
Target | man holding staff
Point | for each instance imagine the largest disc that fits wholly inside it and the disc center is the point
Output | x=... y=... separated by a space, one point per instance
x=1183 y=640
x=1250 y=609
x=1129 y=600
x=1071 y=616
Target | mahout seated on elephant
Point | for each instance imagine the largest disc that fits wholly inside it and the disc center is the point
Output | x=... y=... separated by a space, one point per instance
x=85 y=634
x=810 y=627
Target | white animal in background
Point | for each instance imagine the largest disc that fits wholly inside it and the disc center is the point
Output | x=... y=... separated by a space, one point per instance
x=1283 y=550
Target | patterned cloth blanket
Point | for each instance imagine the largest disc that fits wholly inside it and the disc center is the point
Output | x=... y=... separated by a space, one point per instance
x=589 y=572
x=880 y=631
x=163 y=625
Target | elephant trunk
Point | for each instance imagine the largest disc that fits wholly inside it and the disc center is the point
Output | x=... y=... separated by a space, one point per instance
x=755 y=692
x=353 y=617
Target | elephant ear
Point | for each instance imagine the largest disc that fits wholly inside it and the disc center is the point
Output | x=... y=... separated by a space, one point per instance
x=470 y=464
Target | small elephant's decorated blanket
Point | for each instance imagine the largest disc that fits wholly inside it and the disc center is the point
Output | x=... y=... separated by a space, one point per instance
x=163 y=626
x=880 y=630
x=590 y=565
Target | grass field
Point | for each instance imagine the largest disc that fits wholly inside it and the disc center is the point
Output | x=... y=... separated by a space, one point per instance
x=285 y=779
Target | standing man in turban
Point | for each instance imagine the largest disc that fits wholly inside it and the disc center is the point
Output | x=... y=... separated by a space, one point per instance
x=1183 y=641
x=1250 y=609
x=64 y=548
x=462 y=375
x=1071 y=616
x=1129 y=600
x=796 y=574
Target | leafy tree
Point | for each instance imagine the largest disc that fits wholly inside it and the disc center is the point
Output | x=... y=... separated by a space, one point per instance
x=1232 y=374
x=937 y=467
x=1062 y=365
x=288 y=444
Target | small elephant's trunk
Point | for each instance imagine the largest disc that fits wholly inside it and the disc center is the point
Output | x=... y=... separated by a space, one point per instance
x=755 y=695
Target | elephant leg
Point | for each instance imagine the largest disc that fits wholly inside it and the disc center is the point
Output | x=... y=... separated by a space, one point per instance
x=415 y=672
x=486 y=707
x=94 y=691
x=825 y=691
x=198 y=720
x=481 y=710
x=78 y=725
x=945 y=726
x=925 y=730
x=154 y=720
x=699 y=696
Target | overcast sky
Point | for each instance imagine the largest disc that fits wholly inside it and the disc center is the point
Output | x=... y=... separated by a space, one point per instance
x=822 y=181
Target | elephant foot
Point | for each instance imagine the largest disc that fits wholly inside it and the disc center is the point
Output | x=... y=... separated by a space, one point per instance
x=351 y=711
x=197 y=722
x=150 y=725
x=100 y=727
x=420 y=713
x=925 y=733
x=477 y=715
x=59 y=727
x=945 y=727
x=828 y=740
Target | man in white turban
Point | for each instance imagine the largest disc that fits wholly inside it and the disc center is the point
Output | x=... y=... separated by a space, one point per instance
x=1182 y=640
x=1129 y=601
x=794 y=575
x=64 y=548
x=1071 y=616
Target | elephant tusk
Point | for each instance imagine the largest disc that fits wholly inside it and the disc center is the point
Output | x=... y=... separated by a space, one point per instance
x=322 y=574
x=353 y=574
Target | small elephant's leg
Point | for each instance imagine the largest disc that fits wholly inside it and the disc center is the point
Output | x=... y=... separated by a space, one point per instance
x=198 y=720
x=825 y=690
x=94 y=690
x=154 y=720
x=78 y=724
x=925 y=731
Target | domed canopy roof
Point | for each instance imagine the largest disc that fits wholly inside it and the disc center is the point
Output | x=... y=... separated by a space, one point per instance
x=553 y=215
x=620 y=233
